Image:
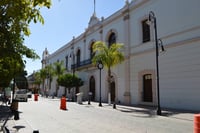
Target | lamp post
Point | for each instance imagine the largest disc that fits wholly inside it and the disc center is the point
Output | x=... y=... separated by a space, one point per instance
x=100 y=67
x=152 y=19
x=73 y=68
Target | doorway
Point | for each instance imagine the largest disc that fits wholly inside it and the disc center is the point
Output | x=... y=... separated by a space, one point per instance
x=147 y=88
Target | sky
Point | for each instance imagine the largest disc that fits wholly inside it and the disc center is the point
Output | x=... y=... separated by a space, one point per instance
x=65 y=19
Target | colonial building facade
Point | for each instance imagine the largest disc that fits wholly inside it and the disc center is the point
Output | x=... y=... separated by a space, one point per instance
x=135 y=80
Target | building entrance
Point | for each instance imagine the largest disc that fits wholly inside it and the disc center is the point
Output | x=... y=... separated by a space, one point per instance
x=147 y=88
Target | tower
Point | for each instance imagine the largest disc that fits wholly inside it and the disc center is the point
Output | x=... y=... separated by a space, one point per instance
x=45 y=54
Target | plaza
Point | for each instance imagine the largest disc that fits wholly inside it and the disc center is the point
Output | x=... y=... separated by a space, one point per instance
x=45 y=116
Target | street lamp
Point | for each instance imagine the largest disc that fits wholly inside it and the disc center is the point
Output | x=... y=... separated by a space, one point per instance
x=100 y=66
x=152 y=19
x=73 y=65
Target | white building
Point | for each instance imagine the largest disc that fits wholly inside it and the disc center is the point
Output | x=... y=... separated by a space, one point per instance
x=134 y=81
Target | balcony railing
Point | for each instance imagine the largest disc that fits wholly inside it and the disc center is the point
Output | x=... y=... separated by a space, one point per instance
x=81 y=64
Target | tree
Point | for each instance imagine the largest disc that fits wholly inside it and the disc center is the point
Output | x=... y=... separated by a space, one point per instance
x=14 y=25
x=69 y=81
x=59 y=70
x=37 y=80
x=43 y=76
x=109 y=56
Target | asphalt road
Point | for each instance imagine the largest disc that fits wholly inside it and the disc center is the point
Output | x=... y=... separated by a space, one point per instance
x=45 y=115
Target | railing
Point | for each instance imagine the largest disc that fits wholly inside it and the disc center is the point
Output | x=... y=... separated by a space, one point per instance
x=81 y=64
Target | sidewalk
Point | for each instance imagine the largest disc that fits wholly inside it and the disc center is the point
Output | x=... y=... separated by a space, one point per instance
x=22 y=126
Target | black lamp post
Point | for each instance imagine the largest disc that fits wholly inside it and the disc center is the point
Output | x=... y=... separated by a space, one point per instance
x=152 y=18
x=100 y=67
x=72 y=56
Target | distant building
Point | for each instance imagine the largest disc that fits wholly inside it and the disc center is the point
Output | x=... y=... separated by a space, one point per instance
x=31 y=83
x=134 y=81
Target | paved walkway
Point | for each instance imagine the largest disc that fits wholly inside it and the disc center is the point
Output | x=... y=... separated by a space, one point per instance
x=7 y=120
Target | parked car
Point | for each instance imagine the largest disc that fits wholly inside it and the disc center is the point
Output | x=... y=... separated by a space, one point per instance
x=21 y=95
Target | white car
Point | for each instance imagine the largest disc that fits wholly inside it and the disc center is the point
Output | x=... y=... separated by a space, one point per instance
x=21 y=95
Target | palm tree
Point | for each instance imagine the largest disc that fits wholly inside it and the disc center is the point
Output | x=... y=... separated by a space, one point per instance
x=43 y=76
x=110 y=57
x=59 y=70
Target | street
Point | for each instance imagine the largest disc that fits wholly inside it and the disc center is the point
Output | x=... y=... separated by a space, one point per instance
x=45 y=115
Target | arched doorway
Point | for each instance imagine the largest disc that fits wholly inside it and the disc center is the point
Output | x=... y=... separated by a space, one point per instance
x=147 y=88
x=92 y=88
x=111 y=39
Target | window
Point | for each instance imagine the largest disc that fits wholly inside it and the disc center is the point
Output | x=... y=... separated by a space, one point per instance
x=66 y=62
x=145 y=31
x=91 y=50
x=78 y=57
x=112 y=39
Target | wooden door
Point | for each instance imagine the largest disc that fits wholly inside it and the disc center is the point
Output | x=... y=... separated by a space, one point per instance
x=147 y=88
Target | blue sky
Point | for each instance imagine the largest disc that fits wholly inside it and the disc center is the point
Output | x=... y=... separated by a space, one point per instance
x=65 y=19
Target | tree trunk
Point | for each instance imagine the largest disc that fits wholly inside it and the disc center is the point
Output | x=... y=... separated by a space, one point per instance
x=43 y=88
x=109 y=86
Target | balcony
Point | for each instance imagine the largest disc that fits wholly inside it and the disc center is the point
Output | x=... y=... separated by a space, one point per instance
x=82 y=64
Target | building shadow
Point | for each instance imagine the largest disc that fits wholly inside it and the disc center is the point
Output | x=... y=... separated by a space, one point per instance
x=150 y=111
x=138 y=111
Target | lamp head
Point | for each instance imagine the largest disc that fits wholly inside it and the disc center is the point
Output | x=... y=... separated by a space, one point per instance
x=151 y=18
x=160 y=43
x=100 y=65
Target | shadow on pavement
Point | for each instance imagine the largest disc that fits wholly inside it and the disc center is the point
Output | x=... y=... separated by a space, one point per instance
x=18 y=127
x=149 y=111
x=137 y=111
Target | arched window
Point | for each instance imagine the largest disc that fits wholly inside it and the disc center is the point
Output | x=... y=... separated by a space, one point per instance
x=91 y=50
x=145 y=31
x=111 y=39
x=78 y=57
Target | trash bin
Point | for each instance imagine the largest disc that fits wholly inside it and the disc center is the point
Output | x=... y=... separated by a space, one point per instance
x=79 y=98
